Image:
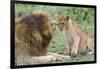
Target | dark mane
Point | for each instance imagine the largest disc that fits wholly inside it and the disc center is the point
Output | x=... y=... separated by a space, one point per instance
x=34 y=30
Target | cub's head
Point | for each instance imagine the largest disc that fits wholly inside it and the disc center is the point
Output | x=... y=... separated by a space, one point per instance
x=62 y=21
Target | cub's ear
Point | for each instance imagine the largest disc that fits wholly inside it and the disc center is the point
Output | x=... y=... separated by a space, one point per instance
x=67 y=17
x=56 y=16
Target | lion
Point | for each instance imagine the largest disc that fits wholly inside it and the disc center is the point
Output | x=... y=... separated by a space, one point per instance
x=33 y=33
x=78 y=40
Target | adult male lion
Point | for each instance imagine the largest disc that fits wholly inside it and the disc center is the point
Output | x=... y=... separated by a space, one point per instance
x=79 y=41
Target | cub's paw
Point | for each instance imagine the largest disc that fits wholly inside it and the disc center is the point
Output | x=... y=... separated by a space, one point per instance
x=73 y=54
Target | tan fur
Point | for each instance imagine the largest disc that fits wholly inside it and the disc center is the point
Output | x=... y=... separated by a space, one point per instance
x=33 y=34
x=79 y=41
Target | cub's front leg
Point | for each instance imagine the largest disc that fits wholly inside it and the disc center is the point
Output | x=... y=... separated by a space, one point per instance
x=74 y=47
x=73 y=42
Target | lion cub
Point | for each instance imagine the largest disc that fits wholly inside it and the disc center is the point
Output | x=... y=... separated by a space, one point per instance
x=79 y=41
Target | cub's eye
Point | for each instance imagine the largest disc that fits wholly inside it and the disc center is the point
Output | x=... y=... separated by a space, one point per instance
x=62 y=23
